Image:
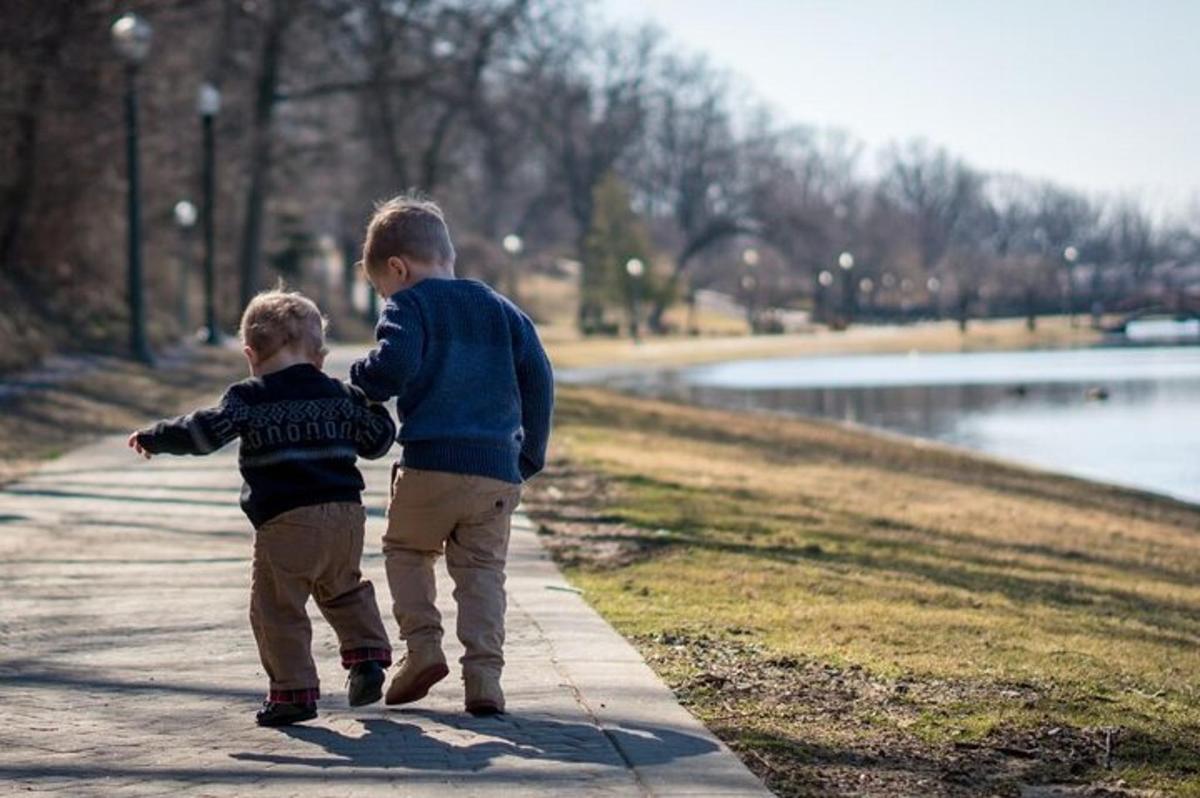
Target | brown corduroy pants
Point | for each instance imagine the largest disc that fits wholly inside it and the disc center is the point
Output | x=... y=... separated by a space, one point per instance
x=468 y=518
x=312 y=551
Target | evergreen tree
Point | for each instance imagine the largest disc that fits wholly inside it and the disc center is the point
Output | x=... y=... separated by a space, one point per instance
x=617 y=235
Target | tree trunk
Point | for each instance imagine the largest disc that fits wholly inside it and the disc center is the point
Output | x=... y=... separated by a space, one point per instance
x=260 y=147
x=15 y=199
x=964 y=308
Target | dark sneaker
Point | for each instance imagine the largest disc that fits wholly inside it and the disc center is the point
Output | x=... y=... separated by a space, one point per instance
x=366 y=683
x=275 y=713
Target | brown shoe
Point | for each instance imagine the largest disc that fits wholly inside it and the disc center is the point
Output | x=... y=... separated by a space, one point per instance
x=419 y=671
x=484 y=695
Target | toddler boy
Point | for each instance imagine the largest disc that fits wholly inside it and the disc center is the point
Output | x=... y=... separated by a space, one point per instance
x=474 y=392
x=300 y=432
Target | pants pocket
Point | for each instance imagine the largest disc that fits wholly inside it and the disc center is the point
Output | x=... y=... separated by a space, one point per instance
x=498 y=503
x=291 y=552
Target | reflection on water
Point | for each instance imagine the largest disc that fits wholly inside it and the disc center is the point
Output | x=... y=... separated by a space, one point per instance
x=1129 y=416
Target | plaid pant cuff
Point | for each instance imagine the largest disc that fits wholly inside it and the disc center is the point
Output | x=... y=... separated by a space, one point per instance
x=306 y=695
x=353 y=656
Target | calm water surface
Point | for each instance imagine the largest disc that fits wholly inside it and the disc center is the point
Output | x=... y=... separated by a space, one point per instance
x=1129 y=416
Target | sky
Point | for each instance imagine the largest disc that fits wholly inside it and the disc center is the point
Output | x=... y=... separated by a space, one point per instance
x=1099 y=95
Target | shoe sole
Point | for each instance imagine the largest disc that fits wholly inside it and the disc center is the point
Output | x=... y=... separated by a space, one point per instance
x=484 y=709
x=298 y=719
x=370 y=692
x=420 y=686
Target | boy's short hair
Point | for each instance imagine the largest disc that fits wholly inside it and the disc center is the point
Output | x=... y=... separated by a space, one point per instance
x=277 y=319
x=408 y=226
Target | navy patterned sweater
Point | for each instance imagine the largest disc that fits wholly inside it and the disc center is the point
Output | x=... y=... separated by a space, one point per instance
x=473 y=387
x=300 y=431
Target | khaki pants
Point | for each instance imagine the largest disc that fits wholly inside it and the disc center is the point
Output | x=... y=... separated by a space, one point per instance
x=468 y=518
x=312 y=551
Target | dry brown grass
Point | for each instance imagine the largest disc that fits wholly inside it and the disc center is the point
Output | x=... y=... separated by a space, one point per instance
x=102 y=395
x=568 y=350
x=1009 y=602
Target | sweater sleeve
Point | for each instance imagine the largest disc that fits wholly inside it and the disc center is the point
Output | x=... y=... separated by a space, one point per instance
x=387 y=369
x=375 y=431
x=535 y=381
x=200 y=432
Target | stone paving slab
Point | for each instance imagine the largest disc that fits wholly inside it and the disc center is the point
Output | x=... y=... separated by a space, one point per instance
x=127 y=665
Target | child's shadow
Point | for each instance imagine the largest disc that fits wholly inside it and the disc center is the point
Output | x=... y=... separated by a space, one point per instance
x=390 y=744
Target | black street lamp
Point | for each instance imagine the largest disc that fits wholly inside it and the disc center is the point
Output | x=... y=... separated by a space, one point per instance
x=1071 y=255
x=514 y=246
x=821 y=298
x=635 y=269
x=934 y=286
x=845 y=262
x=208 y=103
x=131 y=38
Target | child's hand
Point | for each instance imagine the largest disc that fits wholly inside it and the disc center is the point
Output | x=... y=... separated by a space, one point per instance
x=137 y=447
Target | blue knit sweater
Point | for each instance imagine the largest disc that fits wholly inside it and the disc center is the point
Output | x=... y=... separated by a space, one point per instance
x=474 y=390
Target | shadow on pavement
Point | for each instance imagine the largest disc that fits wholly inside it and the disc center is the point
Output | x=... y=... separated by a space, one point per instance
x=387 y=743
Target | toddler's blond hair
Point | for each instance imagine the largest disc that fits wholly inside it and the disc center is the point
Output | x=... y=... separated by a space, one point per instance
x=279 y=319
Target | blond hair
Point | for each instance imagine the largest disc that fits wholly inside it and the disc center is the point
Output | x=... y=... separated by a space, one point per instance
x=279 y=319
x=408 y=226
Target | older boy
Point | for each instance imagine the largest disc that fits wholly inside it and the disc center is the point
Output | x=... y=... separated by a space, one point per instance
x=475 y=392
x=300 y=432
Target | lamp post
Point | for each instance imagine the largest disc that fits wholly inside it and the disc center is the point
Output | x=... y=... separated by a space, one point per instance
x=934 y=286
x=513 y=245
x=1071 y=255
x=845 y=262
x=866 y=287
x=131 y=39
x=635 y=269
x=824 y=281
x=185 y=220
x=749 y=285
x=208 y=103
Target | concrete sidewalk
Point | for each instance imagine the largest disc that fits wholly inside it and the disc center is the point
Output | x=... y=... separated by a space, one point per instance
x=127 y=665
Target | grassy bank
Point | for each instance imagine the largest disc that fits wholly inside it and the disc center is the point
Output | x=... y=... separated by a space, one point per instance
x=67 y=402
x=568 y=350
x=860 y=615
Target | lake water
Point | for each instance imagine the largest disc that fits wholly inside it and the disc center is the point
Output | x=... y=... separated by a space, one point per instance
x=1130 y=416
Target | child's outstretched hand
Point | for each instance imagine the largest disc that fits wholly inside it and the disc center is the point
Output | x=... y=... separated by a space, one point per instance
x=137 y=447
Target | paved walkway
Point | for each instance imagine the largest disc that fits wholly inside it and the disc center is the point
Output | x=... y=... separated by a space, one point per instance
x=127 y=666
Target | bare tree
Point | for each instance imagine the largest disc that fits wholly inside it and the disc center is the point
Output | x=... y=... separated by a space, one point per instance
x=808 y=201
x=277 y=18
x=687 y=168
x=938 y=192
x=29 y=51
x=587 y=116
